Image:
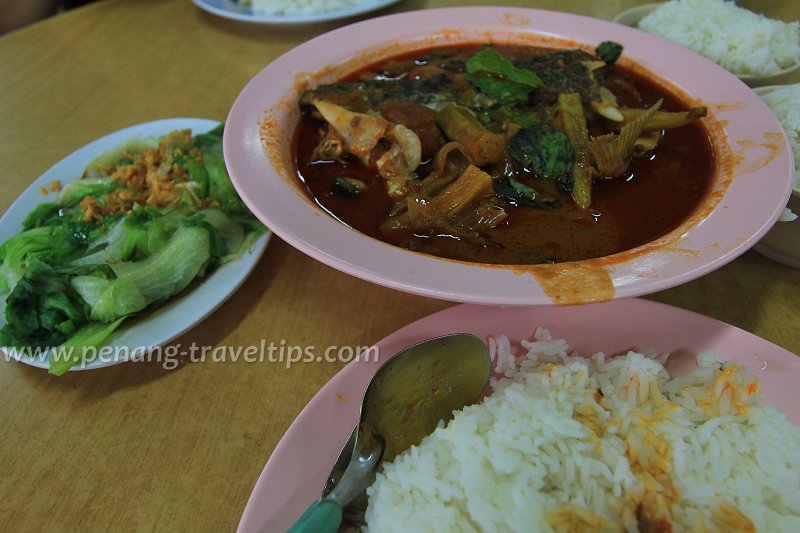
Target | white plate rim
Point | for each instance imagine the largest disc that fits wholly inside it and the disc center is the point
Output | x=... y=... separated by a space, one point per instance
x=181 y=313
x=230 y=10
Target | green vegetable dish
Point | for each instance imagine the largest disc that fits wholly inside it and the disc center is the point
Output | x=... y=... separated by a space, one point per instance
x=144 y=221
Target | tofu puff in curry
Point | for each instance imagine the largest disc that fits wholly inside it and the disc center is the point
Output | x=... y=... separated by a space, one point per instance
x=503 y=154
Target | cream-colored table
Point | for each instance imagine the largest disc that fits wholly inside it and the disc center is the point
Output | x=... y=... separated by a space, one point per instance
x=137 y=447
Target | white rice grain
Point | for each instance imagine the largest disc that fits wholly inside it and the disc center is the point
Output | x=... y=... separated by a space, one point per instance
x=785 y=104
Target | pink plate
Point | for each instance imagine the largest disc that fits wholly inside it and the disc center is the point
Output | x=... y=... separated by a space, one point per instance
x=751 y=185
x=299 y=466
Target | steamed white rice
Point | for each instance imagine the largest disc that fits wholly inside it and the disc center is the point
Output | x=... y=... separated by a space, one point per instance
x=567 y=443
x=299 y=7
x=785 y=104
x=739 y=40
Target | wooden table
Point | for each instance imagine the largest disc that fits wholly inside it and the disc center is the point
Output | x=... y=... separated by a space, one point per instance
x=138 y=447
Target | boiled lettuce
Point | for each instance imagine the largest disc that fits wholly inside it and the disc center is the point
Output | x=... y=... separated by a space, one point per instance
x=67 y=282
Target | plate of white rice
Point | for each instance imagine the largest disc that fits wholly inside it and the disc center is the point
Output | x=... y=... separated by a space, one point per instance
x=290 y=11
x=757 y=49
x=607 y=417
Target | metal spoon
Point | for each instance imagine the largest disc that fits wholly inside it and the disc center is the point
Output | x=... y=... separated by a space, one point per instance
x=404 y=402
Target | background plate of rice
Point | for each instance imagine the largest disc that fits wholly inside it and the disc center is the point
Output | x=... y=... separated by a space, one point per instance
x=290 y=11
x=298 y=467
x=758 y=50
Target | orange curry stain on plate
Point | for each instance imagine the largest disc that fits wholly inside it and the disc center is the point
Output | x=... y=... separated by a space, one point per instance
x=728 y=106
x=513 y=19
x=276 y=146
x=574 y=283
x=748 y=158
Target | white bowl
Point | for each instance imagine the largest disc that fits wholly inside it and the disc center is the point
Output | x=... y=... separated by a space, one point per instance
x=631 y=17
x=782 y=242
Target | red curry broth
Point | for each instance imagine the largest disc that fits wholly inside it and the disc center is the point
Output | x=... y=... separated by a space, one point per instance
x=658 y=193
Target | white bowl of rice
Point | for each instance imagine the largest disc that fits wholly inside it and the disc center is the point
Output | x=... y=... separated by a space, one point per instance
x=758 y=50
x=782 y=242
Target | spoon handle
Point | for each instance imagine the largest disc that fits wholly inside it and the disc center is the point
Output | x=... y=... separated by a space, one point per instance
x=322 y=516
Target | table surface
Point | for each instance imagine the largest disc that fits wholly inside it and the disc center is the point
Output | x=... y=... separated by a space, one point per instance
x=139 y=447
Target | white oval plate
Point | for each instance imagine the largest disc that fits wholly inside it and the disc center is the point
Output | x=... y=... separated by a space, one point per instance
x=233 y=10
x=177 y=316
x=298 y=468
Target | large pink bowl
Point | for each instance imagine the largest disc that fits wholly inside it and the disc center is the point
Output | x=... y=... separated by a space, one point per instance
x=751 y=184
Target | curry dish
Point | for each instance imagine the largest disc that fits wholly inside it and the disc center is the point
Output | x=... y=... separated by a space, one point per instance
x=504 y=154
